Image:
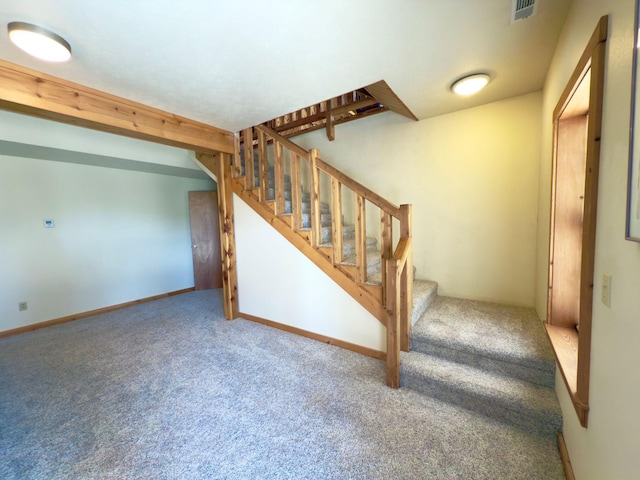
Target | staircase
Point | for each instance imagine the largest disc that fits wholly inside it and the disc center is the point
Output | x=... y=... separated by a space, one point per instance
x=359 y=239
x=488 y=358
x=373 y=255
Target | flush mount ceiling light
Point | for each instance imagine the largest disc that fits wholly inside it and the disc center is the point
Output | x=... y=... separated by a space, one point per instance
x=470 y=84
x=39 y=42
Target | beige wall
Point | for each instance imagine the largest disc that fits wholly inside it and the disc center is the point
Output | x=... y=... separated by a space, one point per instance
x=472 y=178
x=609 y=447
x=277 y=282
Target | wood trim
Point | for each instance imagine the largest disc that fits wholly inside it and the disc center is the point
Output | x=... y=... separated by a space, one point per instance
x=27 y=91
x=564 y=457
x=386 y=247
x=331 y=131
x=220 y=167
x=392 y=302
x=90 y=313
x=278 y=178
x=263 y=167
x=383 y=93
x=361 y=238
x=565 y=347
x=316 y=211
x=406 y=280
x=592 y=61
x=296 y=191
x=369 y=352
x=599 y=36
x=336 y=220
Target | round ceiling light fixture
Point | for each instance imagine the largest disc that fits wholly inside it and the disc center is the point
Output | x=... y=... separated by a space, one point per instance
x=39 y=42
x=470 y=84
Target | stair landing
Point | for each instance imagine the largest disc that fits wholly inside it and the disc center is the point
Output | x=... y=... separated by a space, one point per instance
x=490 y=358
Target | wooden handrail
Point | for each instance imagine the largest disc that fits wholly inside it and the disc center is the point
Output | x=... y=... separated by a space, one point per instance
x=403 y=250
x=288 y=144
x=360 y=189
x=345 y=180
x=395 y=296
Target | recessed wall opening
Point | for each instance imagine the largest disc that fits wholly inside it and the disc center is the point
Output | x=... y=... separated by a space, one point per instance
x=577 y=126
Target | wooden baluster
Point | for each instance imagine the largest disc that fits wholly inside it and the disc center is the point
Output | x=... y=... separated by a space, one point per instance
x=392 y=303
x=361 y=238
x=263 y=167
x=336 y=219
x=386 y=235
x=278 y=178
x=406 y=281
x=236 y=170
x=316 y=220
x=296 y=192
x=249 y=172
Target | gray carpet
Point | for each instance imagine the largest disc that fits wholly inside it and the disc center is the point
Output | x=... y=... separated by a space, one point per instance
x=169 y=389
x=490 y=358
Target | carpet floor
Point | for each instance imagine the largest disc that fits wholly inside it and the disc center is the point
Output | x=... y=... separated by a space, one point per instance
x=169 y=389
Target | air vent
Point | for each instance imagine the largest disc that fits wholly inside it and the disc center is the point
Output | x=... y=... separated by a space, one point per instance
x=521 y=9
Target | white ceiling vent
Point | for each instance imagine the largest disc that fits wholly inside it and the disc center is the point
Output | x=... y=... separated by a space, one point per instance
x=521 y=9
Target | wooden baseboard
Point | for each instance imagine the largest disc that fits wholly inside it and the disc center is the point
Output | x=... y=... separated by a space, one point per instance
x=564 y=456
x=77 y=316
x=370 y=352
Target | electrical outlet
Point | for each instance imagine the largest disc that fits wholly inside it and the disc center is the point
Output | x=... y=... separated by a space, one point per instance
x=606 y=289
x=22 y=306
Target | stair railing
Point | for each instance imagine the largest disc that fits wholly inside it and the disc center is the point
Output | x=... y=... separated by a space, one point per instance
x=306 y=170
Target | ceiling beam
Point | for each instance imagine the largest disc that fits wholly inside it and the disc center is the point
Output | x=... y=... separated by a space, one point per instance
x=33 y=93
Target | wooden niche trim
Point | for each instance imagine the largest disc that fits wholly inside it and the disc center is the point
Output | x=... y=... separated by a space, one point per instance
x=577 y=129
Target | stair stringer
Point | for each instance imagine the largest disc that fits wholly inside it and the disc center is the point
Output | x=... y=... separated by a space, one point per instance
x=361 y=293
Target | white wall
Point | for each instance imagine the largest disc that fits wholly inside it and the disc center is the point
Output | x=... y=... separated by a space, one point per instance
x=472 y=177
x=119 y=235
x=277 y=282
x=609 y=447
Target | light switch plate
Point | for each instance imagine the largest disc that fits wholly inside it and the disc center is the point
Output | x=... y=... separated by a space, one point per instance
x=48 y=223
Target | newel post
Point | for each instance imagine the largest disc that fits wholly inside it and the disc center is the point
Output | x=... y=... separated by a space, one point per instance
x=220 y=166
x=406 y=280
x=393 y=322
x=227 y=237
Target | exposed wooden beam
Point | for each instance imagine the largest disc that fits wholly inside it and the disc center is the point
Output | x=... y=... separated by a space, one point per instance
x=30 y=92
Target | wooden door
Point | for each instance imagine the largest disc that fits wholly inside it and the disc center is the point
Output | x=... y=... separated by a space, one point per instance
x=205 y=240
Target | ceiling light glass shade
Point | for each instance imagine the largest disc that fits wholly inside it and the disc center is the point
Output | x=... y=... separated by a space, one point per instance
x=470 y=84
x=39 y=42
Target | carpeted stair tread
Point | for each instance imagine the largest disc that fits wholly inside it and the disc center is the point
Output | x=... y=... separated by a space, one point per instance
x=489 y=333
x=424 y=293
x=374 y=259
x=507 y=399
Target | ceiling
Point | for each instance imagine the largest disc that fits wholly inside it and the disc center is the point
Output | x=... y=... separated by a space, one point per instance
x=234 y=64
